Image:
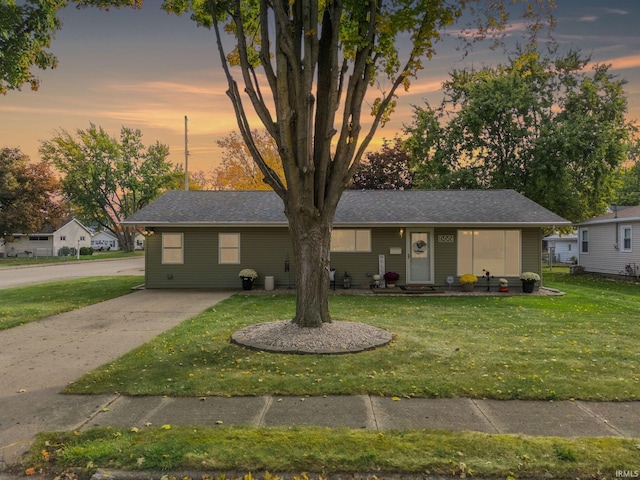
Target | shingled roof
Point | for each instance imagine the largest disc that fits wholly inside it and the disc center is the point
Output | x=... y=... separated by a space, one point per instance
x=356 y=208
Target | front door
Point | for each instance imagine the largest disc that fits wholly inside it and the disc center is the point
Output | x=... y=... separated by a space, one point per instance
x=419 y=256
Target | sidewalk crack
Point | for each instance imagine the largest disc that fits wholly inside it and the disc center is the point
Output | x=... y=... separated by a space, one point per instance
x=484 y=415
x=100 y=409
x=263 y=413
x=371 y=413
x=585 y=409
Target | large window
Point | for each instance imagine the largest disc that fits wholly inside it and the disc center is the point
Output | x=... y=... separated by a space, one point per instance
x=350 y=240
x=229 y=248
x=584 y=241
x=172 y=248
x=625 y=231
x=496 y=251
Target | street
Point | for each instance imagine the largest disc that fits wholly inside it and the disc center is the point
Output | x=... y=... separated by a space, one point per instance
x=19 y=276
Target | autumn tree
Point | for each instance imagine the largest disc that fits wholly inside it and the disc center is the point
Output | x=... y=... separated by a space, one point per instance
x=237 y=170
x=29 y=195
x=107 y=179
x=388 y=169
x=544 y=126
x=306 y=68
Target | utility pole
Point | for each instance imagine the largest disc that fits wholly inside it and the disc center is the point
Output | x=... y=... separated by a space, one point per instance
x=186 y=156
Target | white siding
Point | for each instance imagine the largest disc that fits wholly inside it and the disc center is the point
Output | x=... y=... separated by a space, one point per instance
x=605 y=249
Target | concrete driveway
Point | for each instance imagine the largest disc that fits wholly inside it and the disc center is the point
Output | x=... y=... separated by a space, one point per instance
x=39 y=359
x=30 y=275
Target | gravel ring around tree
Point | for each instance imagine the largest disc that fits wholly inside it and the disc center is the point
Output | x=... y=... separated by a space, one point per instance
x=331 y=338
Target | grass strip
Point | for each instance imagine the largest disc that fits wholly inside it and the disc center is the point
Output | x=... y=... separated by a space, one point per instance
x=22 y=305
x=579 y=346
x=330 y=451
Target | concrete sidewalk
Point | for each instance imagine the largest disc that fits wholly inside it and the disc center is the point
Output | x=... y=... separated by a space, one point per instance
x=39 y=359
x=562 y=419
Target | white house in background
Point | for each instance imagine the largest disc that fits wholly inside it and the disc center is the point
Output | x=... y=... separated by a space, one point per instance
x=562 y=248
x=104 y=241
x=139 y=241
x=610 y=244
x=49 y=242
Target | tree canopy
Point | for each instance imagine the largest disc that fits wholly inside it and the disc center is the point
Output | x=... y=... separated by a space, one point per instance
x=387 y=169
x=29 y=195
x=237 y=170
x=107 y=179
x=544 y=126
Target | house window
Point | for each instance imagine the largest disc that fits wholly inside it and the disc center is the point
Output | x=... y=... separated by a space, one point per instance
x=495 y=251
x=626 y=238
x=35 y=238
x=229 y=248
x=63 y=238
x=568 y=247
x=82 y=238
x=584 y=241
x=172 y=248
x=350 y=240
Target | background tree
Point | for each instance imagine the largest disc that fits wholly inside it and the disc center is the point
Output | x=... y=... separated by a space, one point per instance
x=388 y=169
x=542 y=126
x=238 y=171
x=28 y=195
x=107 y=180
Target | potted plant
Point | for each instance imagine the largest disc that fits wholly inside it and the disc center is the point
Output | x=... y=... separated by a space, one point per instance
x=529 y=280
x=247 y=275
x=390 y=279
x=467 y=281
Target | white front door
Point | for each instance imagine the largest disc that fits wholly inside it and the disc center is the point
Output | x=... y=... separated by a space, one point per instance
x=419 y=256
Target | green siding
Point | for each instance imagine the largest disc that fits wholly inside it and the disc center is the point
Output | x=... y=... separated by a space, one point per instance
x=262 y=249
x=266 y=250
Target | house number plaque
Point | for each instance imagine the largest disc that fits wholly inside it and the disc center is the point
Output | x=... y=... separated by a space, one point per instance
x=445 y=238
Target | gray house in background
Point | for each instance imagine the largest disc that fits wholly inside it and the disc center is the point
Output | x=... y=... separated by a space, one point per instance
x=562 y=248
x=202 y=239
x=610 y=244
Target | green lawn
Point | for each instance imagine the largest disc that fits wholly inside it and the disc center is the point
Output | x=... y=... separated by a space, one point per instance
x=25 y=304
x=326 y=451
x=583 y=345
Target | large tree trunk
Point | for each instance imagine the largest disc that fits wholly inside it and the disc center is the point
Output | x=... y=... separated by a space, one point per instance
x=311 y=239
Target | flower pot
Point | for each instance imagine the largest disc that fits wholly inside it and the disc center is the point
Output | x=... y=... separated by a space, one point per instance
x=468 y=287
x=247 y=283
x=391 y=284
x=527 y=287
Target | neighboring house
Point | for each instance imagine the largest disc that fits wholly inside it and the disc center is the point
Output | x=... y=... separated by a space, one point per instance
x=50 y=241
x=202 y=239
x=610 y=244
x=104 y=240
x=562 y=248
x=139 y=241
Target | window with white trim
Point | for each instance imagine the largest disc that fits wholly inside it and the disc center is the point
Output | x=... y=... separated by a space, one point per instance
x=625 y=237
x=172 y=248
x=495 y=251
x=584 y=241
x=228 y=248
x=350 y=240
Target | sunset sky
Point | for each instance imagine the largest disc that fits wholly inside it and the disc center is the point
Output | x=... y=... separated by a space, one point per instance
x=145 y=69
